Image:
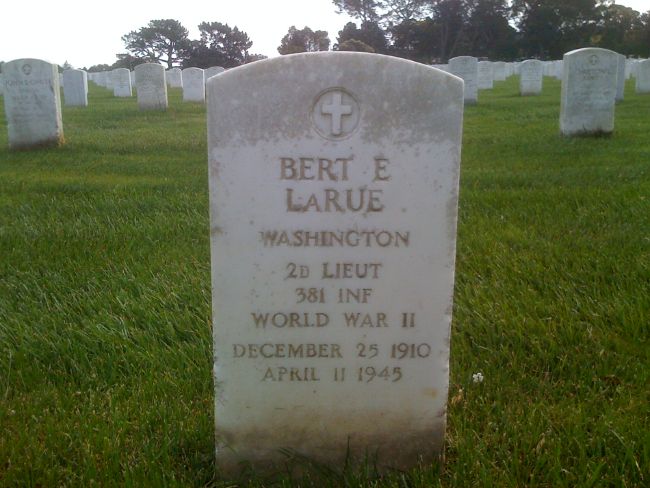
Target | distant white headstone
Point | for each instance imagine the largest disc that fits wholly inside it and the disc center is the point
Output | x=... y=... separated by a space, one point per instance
x=588 y=91
x=642 y=71
x=620 y=78
x=75 y=88
x=466 y=67
x=212 y=71
x=151 y=87
x=121 y=82
x=531 y=75
x=333 y=224
x=32 y=101
x=193 y=85
x=174 y=78
x=485 y=75
x=499 y=70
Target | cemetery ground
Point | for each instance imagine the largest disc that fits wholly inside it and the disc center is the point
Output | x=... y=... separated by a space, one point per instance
x=105 y=340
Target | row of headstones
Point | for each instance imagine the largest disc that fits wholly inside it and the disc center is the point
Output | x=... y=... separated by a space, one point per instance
x=150 y=81
x=359 y=362
x=32 y=98
x=593 y=80
x=481 y=75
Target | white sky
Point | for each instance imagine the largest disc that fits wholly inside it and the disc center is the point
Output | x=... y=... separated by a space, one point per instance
x=85 y=33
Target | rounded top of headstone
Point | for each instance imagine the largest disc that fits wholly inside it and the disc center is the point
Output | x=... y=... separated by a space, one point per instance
x=26 y=65
x=586 y=51
x=463 y=59
x=149 y=66
x=326 y=95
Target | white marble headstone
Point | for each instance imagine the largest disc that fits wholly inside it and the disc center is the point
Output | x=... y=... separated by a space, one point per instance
x=531 y=74
x=466 y=67
x=642 y=72
x=75 y=88
x=499 y=70
x=174 y=77
x=150 y=86
x=588 y=91
x=485 y=75
x=193 y=85
x=212 y=71
x=32 y=100
x=620 y=78
x=121 y=78
x=333 y=202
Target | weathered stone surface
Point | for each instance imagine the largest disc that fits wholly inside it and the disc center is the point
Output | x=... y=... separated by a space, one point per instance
x=193 y=85
x=121 y=78
x=212 y=71
x=499 y=70
x=588 y=92
x=642 y=74
x=466 y=68
x=32 y=99
x=151 y=87
x=485 y=75
x=75 y=88
x=333 y=207
x=174 y=78
x=531 y=75
x=620 y=78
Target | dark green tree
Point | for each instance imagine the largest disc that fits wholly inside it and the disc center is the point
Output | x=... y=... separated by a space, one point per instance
x=370 y=34
x=488 y=30
x=355 y=45
x=99 y=67
x=304 y=40
x=163 y=40
x=623 y=30
x=549 y=28
x=126 y=60
x=362 y=10
x=415 y=40
x=219 y=45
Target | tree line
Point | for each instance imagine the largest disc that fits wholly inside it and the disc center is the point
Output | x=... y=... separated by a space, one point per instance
x=428 y=31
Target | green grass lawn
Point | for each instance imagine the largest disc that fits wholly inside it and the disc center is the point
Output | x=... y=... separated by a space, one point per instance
x=105 y=340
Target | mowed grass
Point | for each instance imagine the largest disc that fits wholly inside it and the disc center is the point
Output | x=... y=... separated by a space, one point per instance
x=105 y=340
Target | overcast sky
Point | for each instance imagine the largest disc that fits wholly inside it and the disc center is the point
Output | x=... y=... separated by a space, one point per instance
x=85 y=32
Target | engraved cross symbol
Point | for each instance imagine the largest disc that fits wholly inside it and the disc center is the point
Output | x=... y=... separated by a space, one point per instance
x=336 y=110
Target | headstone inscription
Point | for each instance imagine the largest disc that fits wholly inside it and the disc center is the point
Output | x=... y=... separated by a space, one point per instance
x=75 y=88
x=642 y=80
x=212 y=71
x=588 y=91
x=466 y=68
x=121 y=82
x=333 y=211
x=32 y=102
x=174 y=77
x=531 y=74
x=151 y=87
x=485 y=75
x=193 y=85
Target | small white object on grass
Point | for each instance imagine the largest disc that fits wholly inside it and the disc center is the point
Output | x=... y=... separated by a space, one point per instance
x=477 y=378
